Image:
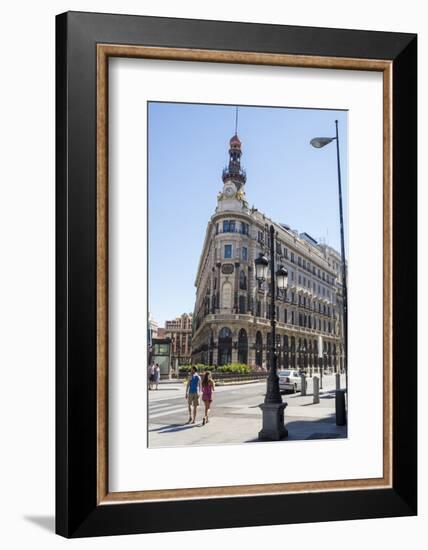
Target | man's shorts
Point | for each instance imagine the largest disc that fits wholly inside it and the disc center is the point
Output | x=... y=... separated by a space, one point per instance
x=193 y=399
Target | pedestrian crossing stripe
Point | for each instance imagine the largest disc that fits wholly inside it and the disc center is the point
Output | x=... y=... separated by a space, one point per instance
x=183 y=409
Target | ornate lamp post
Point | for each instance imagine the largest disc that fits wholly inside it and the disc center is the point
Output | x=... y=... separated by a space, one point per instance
x=302 y=360
x=318 y=143
x=273 y=406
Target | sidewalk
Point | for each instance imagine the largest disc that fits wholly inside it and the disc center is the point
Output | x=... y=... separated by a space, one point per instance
x=236 y=430
x=238 y=423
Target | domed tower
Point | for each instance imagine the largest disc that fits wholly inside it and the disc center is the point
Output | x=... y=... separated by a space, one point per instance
x=234 y=172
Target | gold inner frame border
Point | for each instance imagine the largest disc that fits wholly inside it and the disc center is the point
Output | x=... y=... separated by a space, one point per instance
x=104 y=52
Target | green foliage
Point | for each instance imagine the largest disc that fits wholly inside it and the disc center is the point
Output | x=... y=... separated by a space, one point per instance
x=201 y=368
x=236 y=368
x=184 y=368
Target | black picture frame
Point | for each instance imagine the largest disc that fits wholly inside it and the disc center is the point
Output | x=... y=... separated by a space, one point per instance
x=77 y=512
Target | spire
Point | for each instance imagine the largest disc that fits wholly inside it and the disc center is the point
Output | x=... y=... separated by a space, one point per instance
x=234 y=171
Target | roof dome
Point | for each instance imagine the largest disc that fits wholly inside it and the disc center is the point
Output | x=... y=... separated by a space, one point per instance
x=235 y=140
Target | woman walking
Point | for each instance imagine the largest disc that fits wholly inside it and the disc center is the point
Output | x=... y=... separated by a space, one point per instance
x=208 y=387
x=157 y=375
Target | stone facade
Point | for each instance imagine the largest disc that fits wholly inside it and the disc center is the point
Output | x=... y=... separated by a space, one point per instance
x=232 y=311
x=179 y=330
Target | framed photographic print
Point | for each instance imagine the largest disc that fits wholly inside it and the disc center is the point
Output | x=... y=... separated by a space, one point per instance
x=236 y=241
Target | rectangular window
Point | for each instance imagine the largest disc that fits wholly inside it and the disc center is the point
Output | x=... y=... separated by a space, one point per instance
x=260 y=237
x=244 y=253
x=285 y=316
x=292 y=256
x=292 y=275
x=278 y=248
x=300 y=279
x=299 y=260
x=227 y=250
x=228 y=226
x=245 y=228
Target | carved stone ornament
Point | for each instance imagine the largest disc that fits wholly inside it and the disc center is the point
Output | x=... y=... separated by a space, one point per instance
x=227 y=269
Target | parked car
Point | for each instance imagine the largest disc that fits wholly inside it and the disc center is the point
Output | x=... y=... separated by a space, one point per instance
x=289 y=380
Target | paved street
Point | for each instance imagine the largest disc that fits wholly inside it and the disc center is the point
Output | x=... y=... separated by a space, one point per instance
x=236 y=417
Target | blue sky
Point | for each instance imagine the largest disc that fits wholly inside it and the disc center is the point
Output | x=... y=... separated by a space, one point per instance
x=287 y=179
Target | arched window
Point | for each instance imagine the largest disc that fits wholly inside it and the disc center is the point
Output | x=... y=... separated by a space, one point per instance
x=293 y=353
x=225 y=332
x=211 y=348
x=286 y=358
x=268 y=349
x=225 y=346
x=259 y=349
x=242 y=347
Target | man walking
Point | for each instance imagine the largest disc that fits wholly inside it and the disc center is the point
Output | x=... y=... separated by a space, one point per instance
x=151 y=375
x=193 y=389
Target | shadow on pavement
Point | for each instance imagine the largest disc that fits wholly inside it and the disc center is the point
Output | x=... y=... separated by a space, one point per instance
x=302 y=430
x=175 y=428
x=165 y=389
x=328 y=395
x=322 y=428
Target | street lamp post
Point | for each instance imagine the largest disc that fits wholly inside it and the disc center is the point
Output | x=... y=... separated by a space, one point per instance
x=303 y=360
x=319 y=142
x=273 y=406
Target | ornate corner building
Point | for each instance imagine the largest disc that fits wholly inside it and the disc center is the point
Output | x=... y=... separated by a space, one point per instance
x=179 y=330
x=231 y=321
